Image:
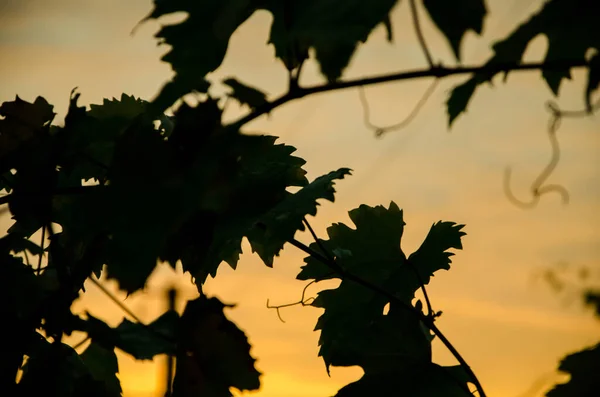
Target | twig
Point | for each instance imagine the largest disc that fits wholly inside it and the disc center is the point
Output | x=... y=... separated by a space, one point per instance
x=420 y=37
x=302 y=302
x=317 y=240
x=427 y=321
x=379 y=131
x=115 y=300
x=436 y=71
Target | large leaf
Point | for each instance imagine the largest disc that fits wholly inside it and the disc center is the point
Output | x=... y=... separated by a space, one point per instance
x=583 y=370
x=571 y=29
x=262 y=171
x=354 y=329
x=456 y=18
x=214 y=354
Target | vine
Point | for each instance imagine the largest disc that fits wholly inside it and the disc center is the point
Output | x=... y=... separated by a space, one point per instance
x=130 y=187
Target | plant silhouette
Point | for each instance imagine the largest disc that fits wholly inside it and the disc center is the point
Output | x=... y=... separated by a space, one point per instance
x=130 y=186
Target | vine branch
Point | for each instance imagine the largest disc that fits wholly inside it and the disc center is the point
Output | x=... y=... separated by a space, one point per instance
x=428 y=321
x=435 y=71
x=302 y=302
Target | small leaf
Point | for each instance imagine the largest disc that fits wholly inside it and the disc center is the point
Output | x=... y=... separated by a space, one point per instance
x=103 y=367
x=459 y=99
x=593 y=81
x=455 y=18
x=245 y=94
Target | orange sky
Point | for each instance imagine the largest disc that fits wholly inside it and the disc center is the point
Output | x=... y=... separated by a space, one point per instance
x=510 y=328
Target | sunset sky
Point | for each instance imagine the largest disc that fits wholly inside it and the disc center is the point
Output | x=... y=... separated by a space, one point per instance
x=505 y=320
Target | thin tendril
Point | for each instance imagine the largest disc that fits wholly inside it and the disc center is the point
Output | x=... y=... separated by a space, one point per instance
x=379 y=130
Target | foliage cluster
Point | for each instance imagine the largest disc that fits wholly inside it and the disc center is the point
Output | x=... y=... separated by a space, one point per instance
x=121 y=186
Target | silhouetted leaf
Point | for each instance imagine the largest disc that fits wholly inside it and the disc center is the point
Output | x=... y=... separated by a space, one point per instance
x=214 y=353
x=103 y=367
x=354 y=330
x=198 y=44
x=583 y=370
x=333 y=28
x=280 y=224
x=571 y=29
x=245 y=94
x=455 y=18
x=22 y=122
x=432 y=255
x=262 y=173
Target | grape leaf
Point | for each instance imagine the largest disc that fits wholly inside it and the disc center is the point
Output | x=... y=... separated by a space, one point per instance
x=333 y=28
x=263 y=171
x=432 y=255
x=199 y=43
x=89 y=137
x=571 y=29
x=456 y=18
x=280 y=224
x=22 y=122
x=354 y=330
x=214 y=354
x=103 y=367
x=128 y=108
x=583 y=370
x=245 y=94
